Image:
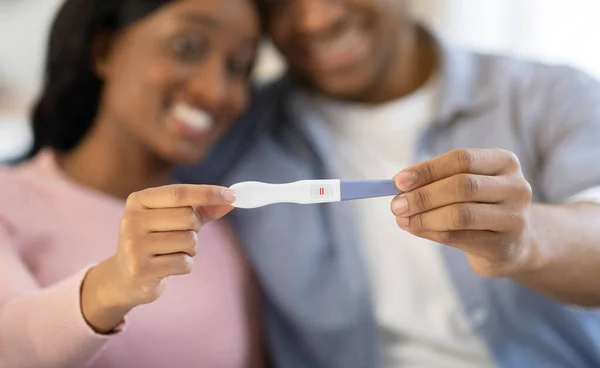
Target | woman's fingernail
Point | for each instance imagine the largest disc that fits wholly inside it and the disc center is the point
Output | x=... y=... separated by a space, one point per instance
x=405 y=180
x=400 y=206
x=229 y=195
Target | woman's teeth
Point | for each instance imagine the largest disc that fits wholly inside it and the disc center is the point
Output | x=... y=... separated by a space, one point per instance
x=194 y=118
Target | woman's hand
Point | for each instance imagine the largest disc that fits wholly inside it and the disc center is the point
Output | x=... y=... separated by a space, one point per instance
x=157 y=239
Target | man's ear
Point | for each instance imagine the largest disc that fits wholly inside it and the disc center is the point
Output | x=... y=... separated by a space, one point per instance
x=101 y=50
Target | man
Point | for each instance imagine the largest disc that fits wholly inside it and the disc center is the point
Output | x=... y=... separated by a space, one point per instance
x=491 y=258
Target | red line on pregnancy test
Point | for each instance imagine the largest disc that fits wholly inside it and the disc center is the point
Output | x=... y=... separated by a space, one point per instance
x=322 y=191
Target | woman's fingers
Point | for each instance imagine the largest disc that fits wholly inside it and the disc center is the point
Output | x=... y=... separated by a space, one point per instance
x=157 y=244
x=158 y=236
x=165 y=219
x=181 y=195
x=171 y=265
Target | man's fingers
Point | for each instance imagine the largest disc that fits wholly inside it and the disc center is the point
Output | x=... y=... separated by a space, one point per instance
x=182 y=195
x=474 y=161
x=485 y=249
x=461 y=188
x=487 y=244
x=464 y=216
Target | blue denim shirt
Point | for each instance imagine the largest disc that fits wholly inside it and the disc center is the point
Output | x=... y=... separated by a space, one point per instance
x=317 y=306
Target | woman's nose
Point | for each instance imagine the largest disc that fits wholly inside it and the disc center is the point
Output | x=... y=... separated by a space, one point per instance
x=207 y=85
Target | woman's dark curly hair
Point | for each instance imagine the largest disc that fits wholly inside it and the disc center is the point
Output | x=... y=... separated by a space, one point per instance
x=70 y=95
x=71 y=92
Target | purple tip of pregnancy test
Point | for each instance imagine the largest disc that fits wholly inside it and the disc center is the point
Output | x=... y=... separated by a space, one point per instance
x=358 y=189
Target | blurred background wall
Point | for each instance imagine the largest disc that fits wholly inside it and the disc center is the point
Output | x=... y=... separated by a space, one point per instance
x=554 y=31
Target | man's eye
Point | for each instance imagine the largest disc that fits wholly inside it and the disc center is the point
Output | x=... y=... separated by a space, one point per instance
x=239 y=67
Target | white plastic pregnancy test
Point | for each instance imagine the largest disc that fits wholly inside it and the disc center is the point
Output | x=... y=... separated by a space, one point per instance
x=253 y=194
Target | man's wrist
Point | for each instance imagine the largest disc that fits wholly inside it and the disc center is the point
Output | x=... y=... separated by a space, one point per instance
x=534 y=255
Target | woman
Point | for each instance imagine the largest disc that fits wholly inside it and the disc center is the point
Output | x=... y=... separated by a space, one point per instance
x=86 y=252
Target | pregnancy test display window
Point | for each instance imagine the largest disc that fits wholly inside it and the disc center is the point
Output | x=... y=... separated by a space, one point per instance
x=321 y=191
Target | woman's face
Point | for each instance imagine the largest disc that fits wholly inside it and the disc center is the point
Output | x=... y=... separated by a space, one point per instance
x=175 y=80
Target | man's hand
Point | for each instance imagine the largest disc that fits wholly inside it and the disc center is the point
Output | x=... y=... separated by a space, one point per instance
x=475 y=200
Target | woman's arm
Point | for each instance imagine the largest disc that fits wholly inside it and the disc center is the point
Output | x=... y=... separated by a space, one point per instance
x=54 y=327
x=41 y=327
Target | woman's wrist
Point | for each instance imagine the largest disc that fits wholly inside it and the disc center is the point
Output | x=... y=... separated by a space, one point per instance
x=99 y=305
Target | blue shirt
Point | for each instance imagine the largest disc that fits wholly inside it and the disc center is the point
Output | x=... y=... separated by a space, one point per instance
x=317 y=305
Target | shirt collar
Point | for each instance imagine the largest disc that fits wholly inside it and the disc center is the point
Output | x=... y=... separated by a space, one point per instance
x=462 y=91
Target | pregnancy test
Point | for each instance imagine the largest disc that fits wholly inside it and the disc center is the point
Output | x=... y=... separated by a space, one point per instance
x=253 y=194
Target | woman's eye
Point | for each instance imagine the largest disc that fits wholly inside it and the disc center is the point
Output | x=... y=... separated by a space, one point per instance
x=188 y=48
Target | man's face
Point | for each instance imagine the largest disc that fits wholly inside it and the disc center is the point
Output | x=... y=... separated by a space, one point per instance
x=344 y=48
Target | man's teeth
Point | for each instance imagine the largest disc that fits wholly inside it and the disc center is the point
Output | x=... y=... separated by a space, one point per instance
x=192 y=117
x=347 y=41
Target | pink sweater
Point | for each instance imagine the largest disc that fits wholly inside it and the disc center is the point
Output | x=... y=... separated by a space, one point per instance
x=52 y=231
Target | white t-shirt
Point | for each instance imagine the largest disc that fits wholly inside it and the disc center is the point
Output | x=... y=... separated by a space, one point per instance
x=419 y=313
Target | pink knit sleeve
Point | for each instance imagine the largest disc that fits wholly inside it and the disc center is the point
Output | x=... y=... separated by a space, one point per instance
x=41 y=327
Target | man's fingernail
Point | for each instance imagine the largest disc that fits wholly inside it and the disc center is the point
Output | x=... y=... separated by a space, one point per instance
x=405 y=180
x=229 y=195
x=400 y=206
x=403 y=222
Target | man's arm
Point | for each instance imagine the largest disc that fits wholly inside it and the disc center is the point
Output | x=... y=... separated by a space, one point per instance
x=566 y=138
x=567 y=258
x=478 y=201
